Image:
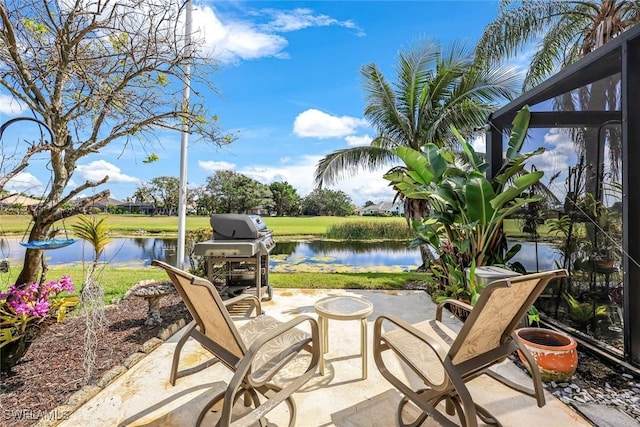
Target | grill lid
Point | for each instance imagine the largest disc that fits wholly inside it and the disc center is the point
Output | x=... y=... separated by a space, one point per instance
x=237 y=226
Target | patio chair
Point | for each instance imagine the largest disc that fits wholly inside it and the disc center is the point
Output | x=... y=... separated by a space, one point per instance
x=255 y=352
x=445 y=361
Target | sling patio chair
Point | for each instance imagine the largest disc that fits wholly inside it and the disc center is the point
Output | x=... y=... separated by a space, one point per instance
x=445 y=361
x=255 y=352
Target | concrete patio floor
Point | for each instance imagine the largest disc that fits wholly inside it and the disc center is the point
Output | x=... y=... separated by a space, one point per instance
x=143 y=396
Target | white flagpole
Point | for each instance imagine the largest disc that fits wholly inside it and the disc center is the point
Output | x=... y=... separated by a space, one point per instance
x=184 y=142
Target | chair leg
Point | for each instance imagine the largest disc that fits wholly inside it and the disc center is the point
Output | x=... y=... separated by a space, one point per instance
x=468 y=409
x=176 y=354
x=208 y=406
x=417 y=422
x=363 y=346
x=487 y=417
x=291 y=404
x=248 y=395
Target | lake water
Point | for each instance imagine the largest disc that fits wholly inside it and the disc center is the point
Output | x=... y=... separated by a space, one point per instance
x=135 y=251
x=286 y=256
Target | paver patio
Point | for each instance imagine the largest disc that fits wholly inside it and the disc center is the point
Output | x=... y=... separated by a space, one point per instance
x=143 y=396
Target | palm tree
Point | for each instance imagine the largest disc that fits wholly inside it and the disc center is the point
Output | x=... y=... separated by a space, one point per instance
x=436 y=87
x=564 y=31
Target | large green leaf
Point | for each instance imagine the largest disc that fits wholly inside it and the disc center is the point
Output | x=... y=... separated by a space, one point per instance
x=527 y=180
x=413 y=191
x=455 y=171
x=478 y=195
x=394 y=176
x=415 y=161
x=513 y=167
x=521 y=183
x=516 y=204
x=449 y=191
x=438 y=163
x=518 y=132
x=471 y=156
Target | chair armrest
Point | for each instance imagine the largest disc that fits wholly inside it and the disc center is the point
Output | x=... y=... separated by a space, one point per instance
x=248 y=297
x=454 y=302
x=276 y=394
x=410 y=329
x=256 y=303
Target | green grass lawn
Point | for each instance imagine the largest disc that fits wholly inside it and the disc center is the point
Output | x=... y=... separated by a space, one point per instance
x=281 y=226
x=129 y=224
x=117 y=280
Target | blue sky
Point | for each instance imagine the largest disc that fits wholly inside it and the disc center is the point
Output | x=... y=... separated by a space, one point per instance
x=289 y=85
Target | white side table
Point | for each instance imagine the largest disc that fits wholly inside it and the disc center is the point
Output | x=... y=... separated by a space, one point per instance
x=343 y=308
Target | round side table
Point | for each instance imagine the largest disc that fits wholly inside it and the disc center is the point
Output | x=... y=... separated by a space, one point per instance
x=343 y=308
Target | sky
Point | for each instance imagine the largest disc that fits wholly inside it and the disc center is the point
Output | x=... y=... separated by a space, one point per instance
x=289 y=86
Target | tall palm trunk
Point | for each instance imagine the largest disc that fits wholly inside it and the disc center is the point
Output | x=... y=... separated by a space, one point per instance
x=417 y=210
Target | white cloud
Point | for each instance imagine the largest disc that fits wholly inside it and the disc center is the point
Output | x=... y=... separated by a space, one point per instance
x=353 y=140
x=10 y=105
x=231 y=39
x=212 y=166
x=24 y=182
x=317 y=124
x=234 y=41
x=560 y=153
x=98 y=169
x=285 y=159
x=298 y=19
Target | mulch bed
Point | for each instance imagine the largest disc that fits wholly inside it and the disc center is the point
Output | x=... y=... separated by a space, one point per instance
x=52 y=370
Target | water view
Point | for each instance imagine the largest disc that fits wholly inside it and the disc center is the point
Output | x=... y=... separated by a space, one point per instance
x=344 y=256
x=139 y=251
x=286 y=256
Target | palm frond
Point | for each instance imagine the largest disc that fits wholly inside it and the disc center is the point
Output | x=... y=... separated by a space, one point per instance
x=517 y=25
x=436 y=87
x=381 y=100
x=347 y=162
x=94 y=231
x=559 y=47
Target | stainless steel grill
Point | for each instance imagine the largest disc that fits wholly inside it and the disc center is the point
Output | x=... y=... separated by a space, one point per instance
x=238 y=255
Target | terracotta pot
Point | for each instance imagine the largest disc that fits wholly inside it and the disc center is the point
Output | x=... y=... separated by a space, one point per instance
x=554 y=352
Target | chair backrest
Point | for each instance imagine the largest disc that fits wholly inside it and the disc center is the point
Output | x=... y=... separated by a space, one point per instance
x=499 y=310
x=208 y=311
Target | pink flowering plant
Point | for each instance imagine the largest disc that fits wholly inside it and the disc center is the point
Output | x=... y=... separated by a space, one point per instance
x=27 y=309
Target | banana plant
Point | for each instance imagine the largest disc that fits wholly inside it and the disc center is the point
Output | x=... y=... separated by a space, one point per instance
x=468 y=209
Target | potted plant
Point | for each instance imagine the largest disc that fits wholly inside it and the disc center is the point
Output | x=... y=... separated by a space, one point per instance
x=554 y=352
x=603 y=247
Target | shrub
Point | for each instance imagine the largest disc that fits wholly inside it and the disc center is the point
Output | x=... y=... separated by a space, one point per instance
x=370 y=230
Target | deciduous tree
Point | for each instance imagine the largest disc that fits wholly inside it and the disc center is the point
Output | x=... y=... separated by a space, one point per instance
x=322 y=201
x=97 y=72
x=286 y=200
x=237 y=193
x=164 y=191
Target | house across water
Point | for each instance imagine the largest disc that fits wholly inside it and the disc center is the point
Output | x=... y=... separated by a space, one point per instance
x=382 y=209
